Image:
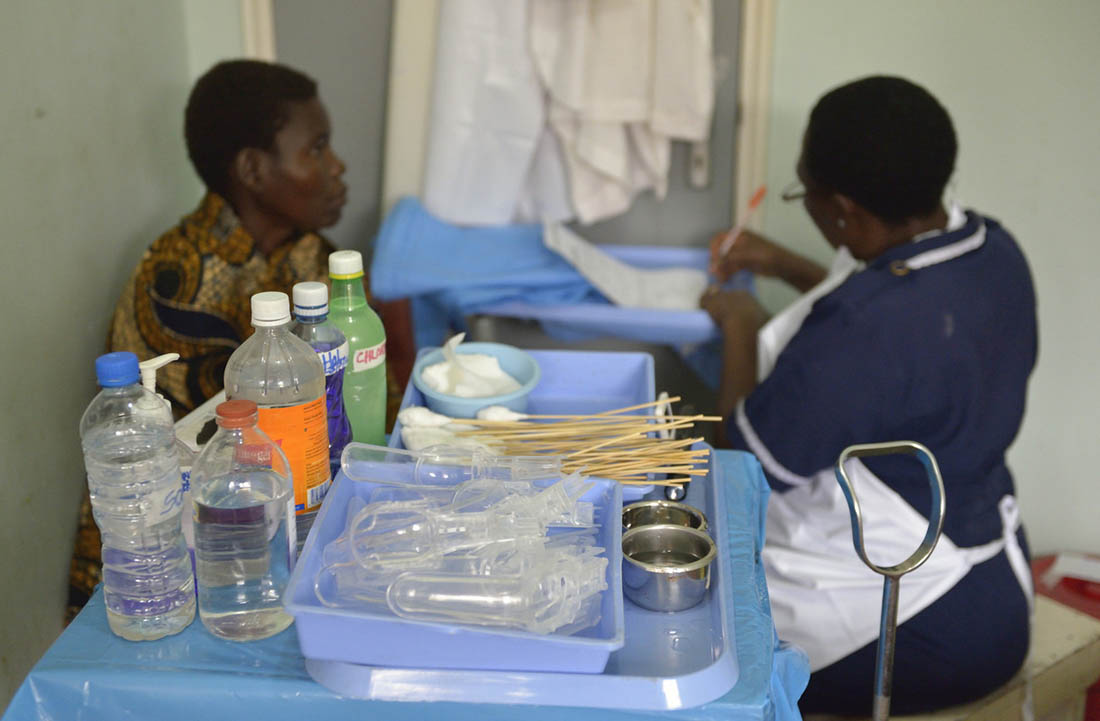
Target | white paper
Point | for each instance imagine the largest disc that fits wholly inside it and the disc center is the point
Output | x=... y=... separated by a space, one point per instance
x=625 y=285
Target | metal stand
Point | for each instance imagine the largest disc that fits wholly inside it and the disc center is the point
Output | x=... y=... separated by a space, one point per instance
x=888 y=625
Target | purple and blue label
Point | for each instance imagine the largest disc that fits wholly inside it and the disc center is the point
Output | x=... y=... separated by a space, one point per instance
x=335 y=361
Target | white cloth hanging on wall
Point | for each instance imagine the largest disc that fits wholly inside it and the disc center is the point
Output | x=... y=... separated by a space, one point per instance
x=580 y=135
x=623 y=78
x=490 y=161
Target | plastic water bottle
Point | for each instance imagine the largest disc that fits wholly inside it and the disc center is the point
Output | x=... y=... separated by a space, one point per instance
x=365 y=378
x=244 y=527
x=281 y=374
x=313 y=326
x=134 y=481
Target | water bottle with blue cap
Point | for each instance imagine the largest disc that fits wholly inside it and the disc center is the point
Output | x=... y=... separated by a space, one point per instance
x=134 y=482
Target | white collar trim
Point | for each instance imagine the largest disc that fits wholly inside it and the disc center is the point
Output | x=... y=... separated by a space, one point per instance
x=948 y=252
x=956 y=218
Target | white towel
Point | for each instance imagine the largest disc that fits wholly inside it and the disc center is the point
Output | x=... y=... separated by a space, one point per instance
x=489 y=160
x=624 y=78
x=583 y=133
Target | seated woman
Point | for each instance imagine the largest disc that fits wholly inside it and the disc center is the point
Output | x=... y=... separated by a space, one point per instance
x=259 y=138
x=924 y=330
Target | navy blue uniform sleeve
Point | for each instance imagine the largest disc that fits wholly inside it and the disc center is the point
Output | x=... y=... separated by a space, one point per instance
x=832 y=386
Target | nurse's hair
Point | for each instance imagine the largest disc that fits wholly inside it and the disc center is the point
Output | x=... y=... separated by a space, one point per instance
x=884 y=142
x=238 y=104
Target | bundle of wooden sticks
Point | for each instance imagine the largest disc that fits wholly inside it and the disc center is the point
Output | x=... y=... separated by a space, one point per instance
x=620 y=444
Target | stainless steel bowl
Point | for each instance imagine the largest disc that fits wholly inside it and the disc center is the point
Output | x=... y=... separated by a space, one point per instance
x=653 y=513
x=666 y=567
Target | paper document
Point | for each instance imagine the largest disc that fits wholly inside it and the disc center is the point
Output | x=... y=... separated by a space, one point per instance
x=626 y=285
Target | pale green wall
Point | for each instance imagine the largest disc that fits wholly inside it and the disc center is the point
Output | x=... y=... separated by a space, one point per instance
x=213 y=33
x=92 y=168
x=1019 y=78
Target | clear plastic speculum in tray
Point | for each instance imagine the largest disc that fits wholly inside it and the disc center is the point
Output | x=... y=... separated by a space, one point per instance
x=370 y=633
x=666 y=661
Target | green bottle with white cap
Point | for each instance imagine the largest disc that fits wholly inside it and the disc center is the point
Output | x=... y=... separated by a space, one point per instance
x=365 y=376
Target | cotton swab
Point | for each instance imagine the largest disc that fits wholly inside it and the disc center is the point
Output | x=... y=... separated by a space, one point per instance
x=627 y=447
x=499 y=414
x=754 y=203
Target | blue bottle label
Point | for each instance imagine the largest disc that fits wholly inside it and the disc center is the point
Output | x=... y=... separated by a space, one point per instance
x=335 y=360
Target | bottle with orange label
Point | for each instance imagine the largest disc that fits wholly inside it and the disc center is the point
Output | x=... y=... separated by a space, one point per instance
x=285 y=378
x=365 y=376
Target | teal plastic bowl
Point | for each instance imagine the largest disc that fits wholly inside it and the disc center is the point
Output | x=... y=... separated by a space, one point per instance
x=515 y=362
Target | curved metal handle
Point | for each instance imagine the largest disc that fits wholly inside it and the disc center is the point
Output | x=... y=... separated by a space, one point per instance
x=935 y=520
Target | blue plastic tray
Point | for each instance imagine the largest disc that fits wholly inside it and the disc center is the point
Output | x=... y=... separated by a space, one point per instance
x=357 y=636
x=575 y=382
x=582 y=321
x=669 y=660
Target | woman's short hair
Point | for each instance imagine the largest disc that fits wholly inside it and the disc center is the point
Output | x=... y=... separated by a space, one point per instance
x=884 y=142
x=238 y=104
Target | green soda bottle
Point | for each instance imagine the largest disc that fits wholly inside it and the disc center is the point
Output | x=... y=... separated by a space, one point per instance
x=365 y=376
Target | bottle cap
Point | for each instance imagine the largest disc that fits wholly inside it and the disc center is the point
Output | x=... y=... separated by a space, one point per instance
x=310 y=298
x=117 y=369
x=239 y=413
x=270 y=308
x=345 y=264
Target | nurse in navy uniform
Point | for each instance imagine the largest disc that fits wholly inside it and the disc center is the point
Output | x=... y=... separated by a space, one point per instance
x=922 y=329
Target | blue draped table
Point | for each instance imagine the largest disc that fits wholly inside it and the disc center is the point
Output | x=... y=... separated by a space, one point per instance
x=90 y=674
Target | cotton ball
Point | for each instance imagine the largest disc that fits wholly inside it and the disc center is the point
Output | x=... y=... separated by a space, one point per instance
x=499 y=413
x=437 y=376
x=419 y=416
x=469 y=375
x=488 y=371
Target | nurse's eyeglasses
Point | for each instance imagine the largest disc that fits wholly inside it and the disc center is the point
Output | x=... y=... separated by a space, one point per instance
x=794 y=191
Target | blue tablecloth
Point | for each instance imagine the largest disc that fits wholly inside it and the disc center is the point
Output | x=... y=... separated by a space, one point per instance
x=90 y=674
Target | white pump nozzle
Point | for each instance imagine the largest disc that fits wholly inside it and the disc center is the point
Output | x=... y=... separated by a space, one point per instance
x=149 y=368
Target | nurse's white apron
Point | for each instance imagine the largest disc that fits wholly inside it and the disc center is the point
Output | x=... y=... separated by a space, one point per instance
x=824 y=599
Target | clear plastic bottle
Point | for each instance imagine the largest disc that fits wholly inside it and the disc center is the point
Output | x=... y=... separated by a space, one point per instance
x=365 y=378
x=314 y=327
x=244 y=527
x=134 y=480
x=283 y=376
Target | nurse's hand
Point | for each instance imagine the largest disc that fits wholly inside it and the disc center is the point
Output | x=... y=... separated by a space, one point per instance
x=736 y=312
x=749 y=251
x=753 y=252
x=739 y=316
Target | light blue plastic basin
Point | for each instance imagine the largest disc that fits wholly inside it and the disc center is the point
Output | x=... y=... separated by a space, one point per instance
x=374 y=636
x=515 y=362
